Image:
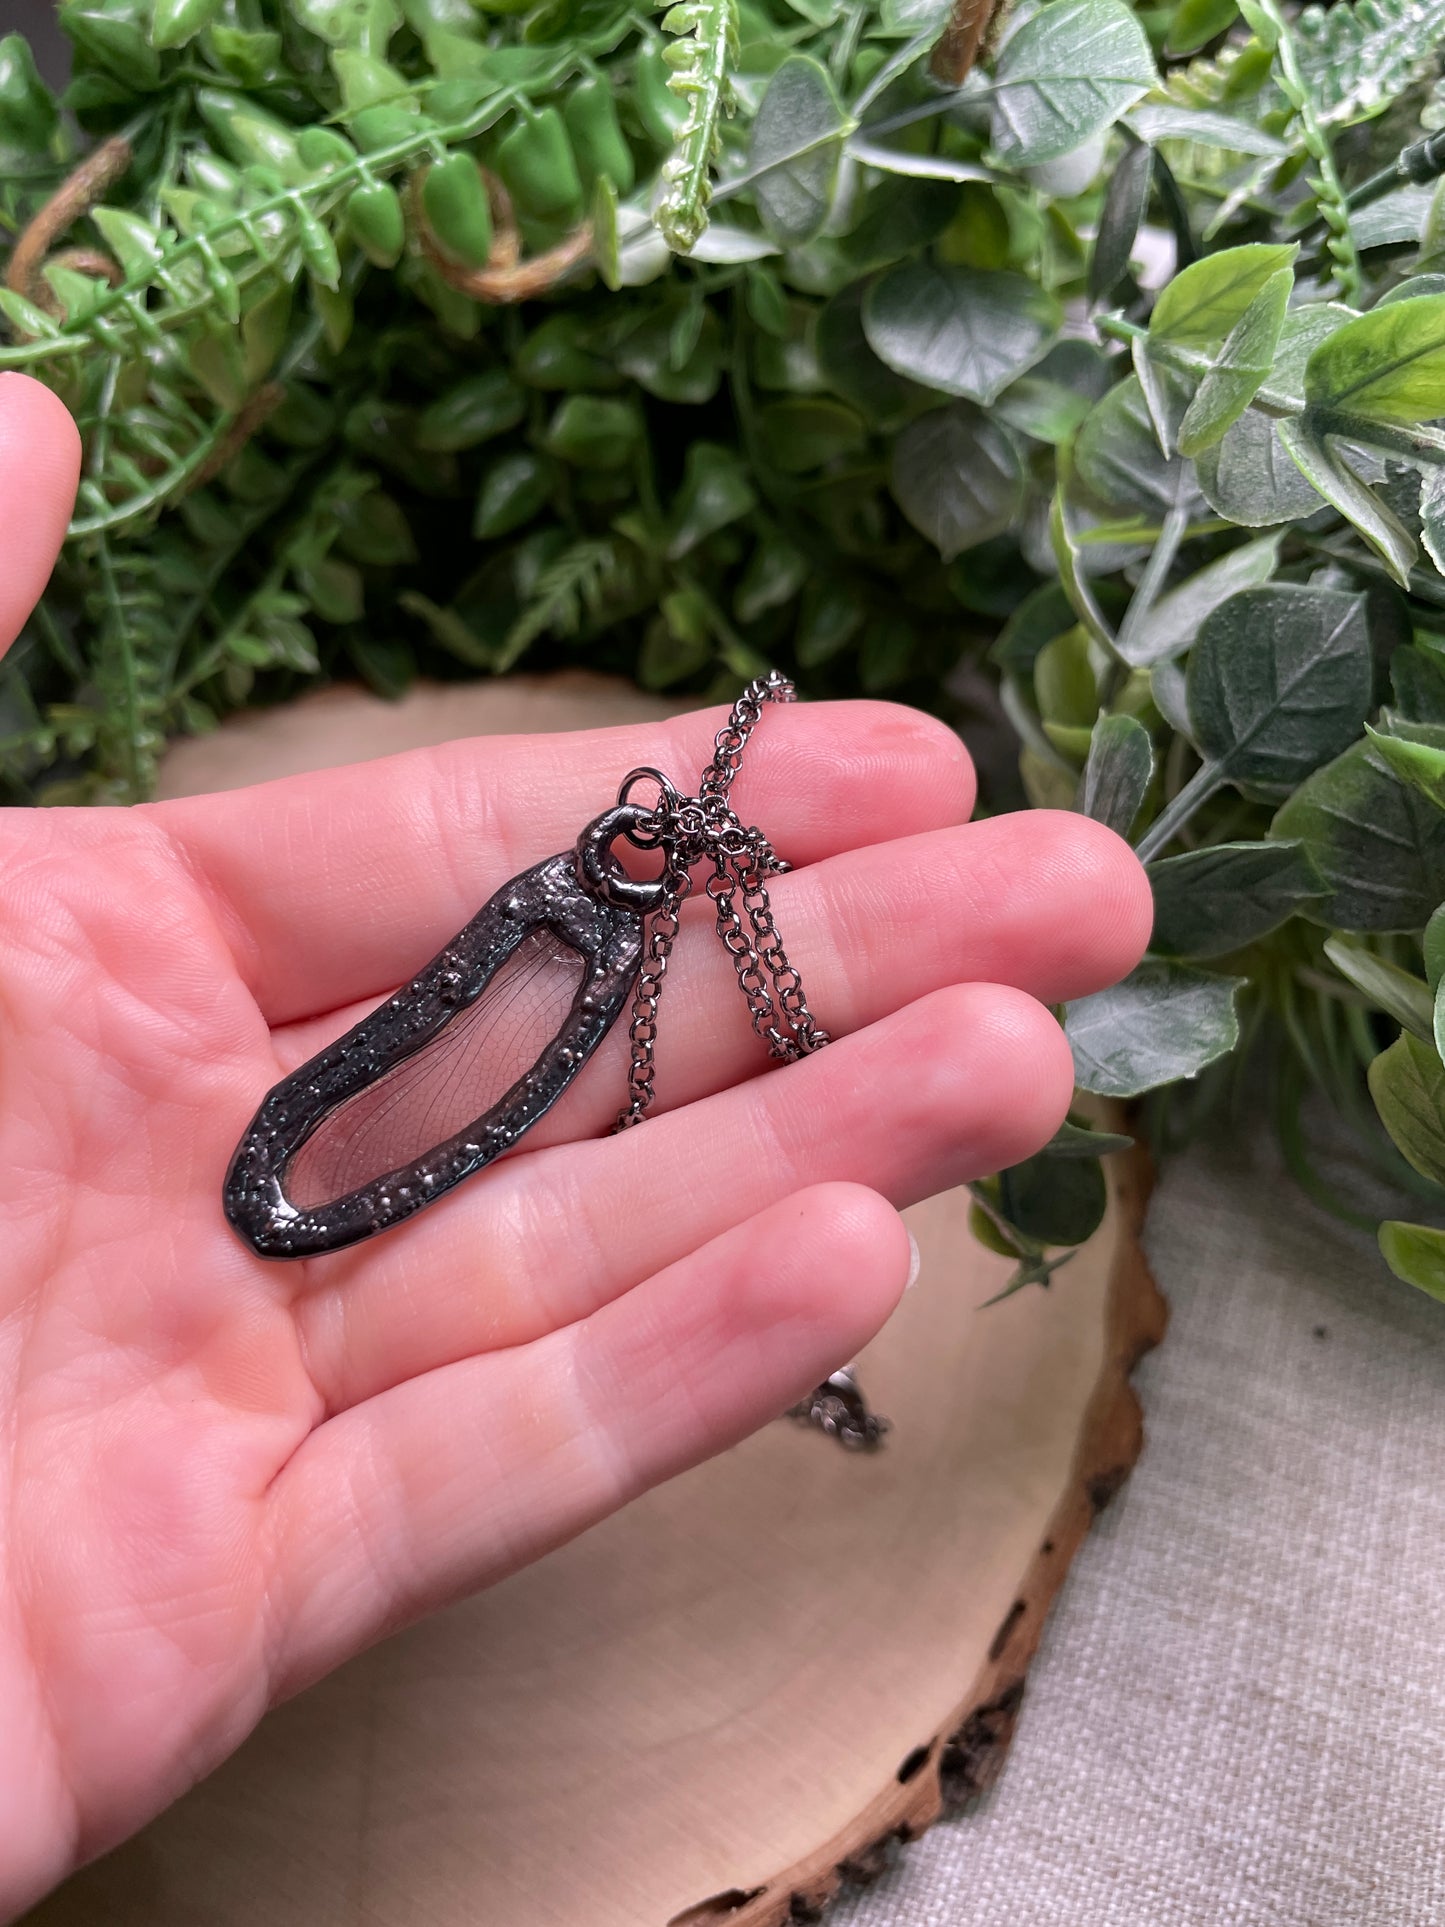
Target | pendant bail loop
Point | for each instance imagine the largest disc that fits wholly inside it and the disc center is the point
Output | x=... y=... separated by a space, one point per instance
x=599 y=869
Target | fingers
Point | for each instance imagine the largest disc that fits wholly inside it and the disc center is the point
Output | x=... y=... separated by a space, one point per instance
x=39 y=466
x=1047 y=901
x=454 y=1479
x=966 y=1081
x=336 y=885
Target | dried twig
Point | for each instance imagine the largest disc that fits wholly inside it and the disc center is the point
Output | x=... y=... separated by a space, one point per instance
x=79 y=192
x=506 y=278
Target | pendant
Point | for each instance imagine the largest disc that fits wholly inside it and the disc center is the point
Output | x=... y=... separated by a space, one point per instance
x=448 y=1073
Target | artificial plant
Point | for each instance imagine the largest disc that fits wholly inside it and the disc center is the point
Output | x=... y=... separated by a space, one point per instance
x=1069 y=361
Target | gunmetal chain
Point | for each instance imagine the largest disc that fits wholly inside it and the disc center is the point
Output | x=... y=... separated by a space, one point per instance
x=689 y=829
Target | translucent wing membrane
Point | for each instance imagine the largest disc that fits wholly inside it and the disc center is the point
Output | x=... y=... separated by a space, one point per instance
x=450 y=1083
x=445 y=1075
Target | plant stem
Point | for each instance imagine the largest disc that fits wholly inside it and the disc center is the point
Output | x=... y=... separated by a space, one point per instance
x=1203 y=784
x=1156 y=574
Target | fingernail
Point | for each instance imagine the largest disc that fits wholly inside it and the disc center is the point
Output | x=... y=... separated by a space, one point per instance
x=915 y=1262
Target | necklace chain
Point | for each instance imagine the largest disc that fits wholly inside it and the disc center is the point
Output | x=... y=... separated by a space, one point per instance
x=689 y=830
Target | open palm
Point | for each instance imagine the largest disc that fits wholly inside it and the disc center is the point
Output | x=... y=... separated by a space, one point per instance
x=220 y=1477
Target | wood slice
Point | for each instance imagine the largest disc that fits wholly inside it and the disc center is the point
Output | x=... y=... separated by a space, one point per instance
x=745 y=1688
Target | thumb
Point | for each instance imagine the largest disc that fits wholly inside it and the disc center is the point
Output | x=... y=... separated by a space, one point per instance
x=39 y=467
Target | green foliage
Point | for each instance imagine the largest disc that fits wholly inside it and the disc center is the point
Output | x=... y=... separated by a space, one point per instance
x=415 y=336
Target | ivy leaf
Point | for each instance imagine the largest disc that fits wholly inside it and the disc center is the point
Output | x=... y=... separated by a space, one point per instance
x=957 y=477
x=1395 y=991
x=1279 y=681
x=1212 y=901
x=1163 y=1022
x=796 y=147
x=1387 y=365
x=1120 y=765
x=1071 y=69
x=962 y=332
x=1174 y=621
x=1407 y=1082
x=1379 y=846
x=1416 y=1254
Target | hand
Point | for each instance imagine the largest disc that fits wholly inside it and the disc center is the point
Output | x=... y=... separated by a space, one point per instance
x=221 y=1477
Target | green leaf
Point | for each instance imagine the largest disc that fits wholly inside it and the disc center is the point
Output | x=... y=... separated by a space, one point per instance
x=1203 y=303
x=1054 y=1201
x=1047 y=410
x=716 y=489
x=1080 y=1141
x=1239 y=369
x=1125 y=200
x=1120 y=765
x=1432 y=516
x=1393 y=990
x=135 y=243
x=957 y=477
x=1196 y=22
x=1118 y=459
x=1376 y=842
x=962 y=332
x=1416 y=1254
x=796 y=146
x=1432 y=944
x=850 y=366
x=25 y=317
x=1279 y=681
x=1324 y=467
x=1163 y=121
x=1163 y=1022
x=1212 y=901
x=1069 y=70
x=1248 y=477
x=1174 y=621
x=1065 y=684
x=1407 y=1082
x=1069 y=556
x=1387 y=365
x=1419 y=763
x=807 y=433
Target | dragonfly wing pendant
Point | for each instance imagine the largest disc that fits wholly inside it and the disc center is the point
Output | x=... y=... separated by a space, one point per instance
x=449 y=1072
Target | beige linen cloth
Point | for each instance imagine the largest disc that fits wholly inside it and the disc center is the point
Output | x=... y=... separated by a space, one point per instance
x=1237 y=1718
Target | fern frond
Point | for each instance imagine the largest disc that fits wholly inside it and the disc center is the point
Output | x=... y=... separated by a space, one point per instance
x=1356 y=58
x=131 y=617
x=1274 y=31
x=1207 y=82
x=701 y=59
x=568 y=590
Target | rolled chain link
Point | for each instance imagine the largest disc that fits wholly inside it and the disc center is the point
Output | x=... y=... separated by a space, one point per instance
x=689 y=830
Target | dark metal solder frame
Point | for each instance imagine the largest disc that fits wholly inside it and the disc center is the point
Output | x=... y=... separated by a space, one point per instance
x=585 y=900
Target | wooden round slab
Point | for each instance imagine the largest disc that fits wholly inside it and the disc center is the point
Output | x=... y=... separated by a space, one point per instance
x=749 y=1685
